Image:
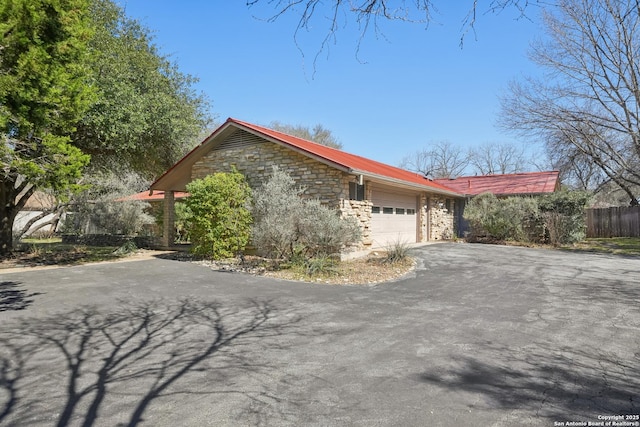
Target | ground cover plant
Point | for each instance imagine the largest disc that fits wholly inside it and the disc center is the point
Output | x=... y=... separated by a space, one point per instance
x=39 y=252
x=629 y=246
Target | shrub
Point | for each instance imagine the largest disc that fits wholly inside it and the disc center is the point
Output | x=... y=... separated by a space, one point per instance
x=555 y=218
x=97 y=211
x=483 y=214
x=288 y=226
x=217 y=214
x=323 y=232
x=563 y=214
x=521 y=219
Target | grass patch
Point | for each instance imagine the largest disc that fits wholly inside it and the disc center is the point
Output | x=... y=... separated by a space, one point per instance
x=629 y=246
x=38 y=252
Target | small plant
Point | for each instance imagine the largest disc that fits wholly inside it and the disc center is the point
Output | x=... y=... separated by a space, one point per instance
x=397 y=251
x=127 y=248
x=322 y=265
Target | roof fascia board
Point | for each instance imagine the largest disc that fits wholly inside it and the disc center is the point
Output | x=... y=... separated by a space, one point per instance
x=190 y=158
x=425 y=188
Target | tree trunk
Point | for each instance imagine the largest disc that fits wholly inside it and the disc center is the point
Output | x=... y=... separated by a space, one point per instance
x=7 y=215
x=13 y=196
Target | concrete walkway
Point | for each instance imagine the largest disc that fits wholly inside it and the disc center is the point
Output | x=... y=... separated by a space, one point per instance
x=477 y=336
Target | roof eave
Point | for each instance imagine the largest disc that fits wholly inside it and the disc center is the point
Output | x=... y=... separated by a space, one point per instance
x=425 y=187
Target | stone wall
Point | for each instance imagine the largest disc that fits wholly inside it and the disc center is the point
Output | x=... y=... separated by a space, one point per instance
x=109 y=240
x=441 y=218
x=361 y=211
x=255 y=161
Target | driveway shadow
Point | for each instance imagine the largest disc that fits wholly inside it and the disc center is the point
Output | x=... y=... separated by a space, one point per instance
x=14 y=297
x=563 y=384
x=81 y=363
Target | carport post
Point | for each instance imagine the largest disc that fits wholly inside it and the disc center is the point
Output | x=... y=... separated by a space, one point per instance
x=169 y=215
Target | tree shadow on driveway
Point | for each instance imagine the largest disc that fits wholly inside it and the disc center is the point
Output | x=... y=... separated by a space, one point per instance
x=563 y=384
x=13 y=297
x=109 y=367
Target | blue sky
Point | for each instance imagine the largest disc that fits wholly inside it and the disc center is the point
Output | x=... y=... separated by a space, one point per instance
x=383 y=98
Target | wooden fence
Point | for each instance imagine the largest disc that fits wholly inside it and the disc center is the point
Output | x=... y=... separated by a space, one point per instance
x=623 y=221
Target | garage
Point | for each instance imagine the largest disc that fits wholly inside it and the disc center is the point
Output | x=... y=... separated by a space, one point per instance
x=393 y=218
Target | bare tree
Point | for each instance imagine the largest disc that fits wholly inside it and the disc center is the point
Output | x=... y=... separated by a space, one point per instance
x=498 y=158
x=441 y=159
x=318 y=133
x=590 y=97
x=577 y=170
x=333 y=15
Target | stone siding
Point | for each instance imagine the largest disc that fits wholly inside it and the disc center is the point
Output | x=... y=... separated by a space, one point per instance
x=442 y=219
x=255 y=157
x=361 y=211
x=255 y=161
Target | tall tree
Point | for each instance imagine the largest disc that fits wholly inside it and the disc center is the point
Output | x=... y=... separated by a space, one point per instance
x=498 y=158
x=147 y=114
x=439 y=160
x=43 y=93
x=318 y=133
x=590 y=98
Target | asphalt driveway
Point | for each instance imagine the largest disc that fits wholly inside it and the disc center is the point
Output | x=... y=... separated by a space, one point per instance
x=476 y=336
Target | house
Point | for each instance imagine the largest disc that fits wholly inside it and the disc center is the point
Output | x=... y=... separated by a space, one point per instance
x=518 y=184
x=389 y=203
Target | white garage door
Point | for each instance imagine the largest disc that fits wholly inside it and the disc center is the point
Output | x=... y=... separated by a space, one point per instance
x=393 y=218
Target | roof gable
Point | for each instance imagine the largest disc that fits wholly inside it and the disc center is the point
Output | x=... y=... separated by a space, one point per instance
x=507 y=184
x=179 y=175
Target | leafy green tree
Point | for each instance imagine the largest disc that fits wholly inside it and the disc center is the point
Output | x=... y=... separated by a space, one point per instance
x=147 y=114
x=218 y=215
x=43 y=93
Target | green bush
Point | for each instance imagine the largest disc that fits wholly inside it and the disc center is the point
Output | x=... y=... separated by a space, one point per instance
x=288 y=226
x=484 y=213
x=555 y=218
x=217 y=214
x=564 y=217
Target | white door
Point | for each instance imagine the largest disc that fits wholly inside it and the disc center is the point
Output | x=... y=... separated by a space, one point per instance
x=393 y=218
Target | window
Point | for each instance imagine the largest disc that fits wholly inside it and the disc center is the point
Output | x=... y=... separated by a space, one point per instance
x=387 y=210
x=399 y=211
x=375 y=209
x=411 y=211
x=356 y=191
x=448 y=205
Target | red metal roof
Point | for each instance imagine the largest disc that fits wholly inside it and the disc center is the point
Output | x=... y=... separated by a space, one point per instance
x=354 y=163
x=157 y=195
x=503 y=185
